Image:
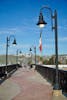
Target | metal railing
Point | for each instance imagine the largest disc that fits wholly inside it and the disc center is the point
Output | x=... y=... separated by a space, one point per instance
x=50 y=74
x=10 y=68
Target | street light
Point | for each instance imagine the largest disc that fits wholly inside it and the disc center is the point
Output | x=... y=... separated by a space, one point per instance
x=31 y=53
x=41 y=23
x=34 y=47
x=35 y=54
x=17 y=52
x=7 y=45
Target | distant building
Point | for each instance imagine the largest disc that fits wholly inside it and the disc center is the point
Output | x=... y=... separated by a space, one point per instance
x=63 y=58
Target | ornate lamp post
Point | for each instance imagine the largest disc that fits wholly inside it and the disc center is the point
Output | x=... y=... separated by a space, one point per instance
x=34 y=47
x=7 y=45
x=17 y=52
x=31 y=53
x=35 y=54
x=41 y=23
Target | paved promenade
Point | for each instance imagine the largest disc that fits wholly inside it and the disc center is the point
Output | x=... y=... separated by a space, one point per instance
x=26 y=84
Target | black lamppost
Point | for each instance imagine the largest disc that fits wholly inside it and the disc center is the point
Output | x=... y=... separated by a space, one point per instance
x=17 y=52
x=31 y=53
x=7 y=45
x=30 y=49
x=42 y=23
x=35 y=54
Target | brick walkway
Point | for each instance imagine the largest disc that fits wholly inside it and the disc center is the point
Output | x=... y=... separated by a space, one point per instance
x=27 y=84
x=32 y=86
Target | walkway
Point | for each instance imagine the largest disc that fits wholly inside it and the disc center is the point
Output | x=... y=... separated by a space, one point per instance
x=26 y=84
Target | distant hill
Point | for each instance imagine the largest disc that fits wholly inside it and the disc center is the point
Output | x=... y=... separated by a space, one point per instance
x=11 y=59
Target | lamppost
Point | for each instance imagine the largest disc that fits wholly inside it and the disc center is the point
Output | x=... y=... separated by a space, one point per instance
x=31 y=53
x=17 y=52
x=41 y=23
x=7 y=45
x=35 y=54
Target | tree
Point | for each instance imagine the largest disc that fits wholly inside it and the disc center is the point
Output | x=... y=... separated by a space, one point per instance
x=45 y=62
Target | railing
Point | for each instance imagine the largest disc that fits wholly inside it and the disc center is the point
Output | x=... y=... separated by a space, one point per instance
x=50 y=73
x=9 y=69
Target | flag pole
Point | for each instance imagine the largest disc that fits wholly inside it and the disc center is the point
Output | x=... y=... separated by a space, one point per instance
x=40 y=43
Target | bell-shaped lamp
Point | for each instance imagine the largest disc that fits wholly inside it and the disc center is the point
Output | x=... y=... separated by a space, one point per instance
x=14 y=42
x=30 y=49
x=41 y=23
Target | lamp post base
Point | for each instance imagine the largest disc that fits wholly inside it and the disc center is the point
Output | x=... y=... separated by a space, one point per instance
x=57 y=92
x=57 y=95
x=6 y=73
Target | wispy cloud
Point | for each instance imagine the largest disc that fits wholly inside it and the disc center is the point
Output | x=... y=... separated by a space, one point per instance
x=48 y=46
x=63 y=39
x=60 y=39
x=23 y=46
x=63 y=27
x=8 y=30
x=19 y=29
x=2 y=45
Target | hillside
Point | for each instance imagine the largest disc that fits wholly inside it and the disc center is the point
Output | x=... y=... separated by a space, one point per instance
x=11 y=59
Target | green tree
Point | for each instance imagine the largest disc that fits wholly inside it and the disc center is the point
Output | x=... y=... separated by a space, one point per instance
x=51 y=61
x=45 y=62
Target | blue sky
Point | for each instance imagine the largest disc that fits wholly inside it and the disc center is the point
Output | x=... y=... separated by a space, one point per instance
x=19 y=18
